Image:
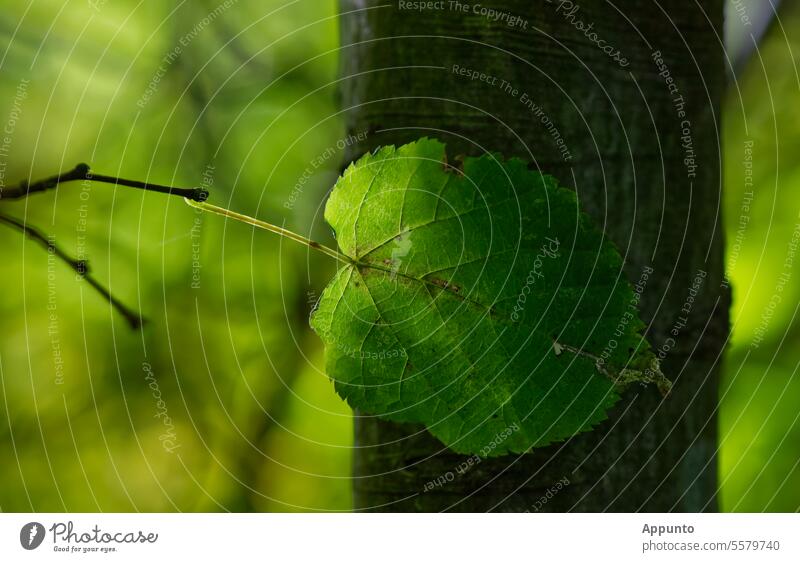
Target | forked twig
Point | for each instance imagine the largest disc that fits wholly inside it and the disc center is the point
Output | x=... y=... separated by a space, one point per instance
x=81 y=172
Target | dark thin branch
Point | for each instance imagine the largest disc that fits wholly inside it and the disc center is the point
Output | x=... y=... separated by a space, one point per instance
x=81 y=172
x=81 y=267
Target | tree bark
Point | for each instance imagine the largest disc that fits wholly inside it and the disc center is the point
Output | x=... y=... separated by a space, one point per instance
x=647 y=173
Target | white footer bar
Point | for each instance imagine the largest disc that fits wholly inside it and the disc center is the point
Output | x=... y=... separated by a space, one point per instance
x=401 y=537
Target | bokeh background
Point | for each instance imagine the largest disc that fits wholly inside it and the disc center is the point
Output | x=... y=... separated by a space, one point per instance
x=247 y=106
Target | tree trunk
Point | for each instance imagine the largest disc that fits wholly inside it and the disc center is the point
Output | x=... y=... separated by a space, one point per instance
x=646 y=171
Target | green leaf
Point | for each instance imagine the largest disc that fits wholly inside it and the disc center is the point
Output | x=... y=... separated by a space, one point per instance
x=481 y=303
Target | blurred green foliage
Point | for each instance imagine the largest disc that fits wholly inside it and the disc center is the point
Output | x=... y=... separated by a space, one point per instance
x=759 y=431
x=250 y=102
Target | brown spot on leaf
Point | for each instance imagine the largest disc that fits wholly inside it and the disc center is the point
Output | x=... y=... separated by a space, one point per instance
x=457 y=167
x=445 y=285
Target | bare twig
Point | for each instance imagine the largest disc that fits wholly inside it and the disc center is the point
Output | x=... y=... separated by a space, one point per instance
x=81 y=267
x=82 y=172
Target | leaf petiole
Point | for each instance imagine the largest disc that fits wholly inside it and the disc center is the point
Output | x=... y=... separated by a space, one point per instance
x=209 y=208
